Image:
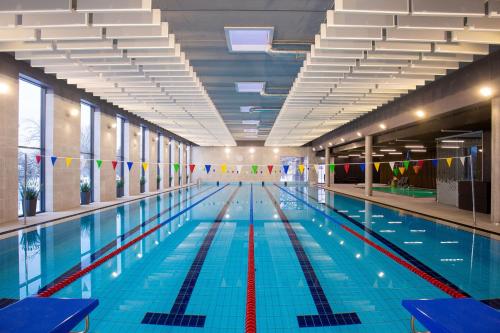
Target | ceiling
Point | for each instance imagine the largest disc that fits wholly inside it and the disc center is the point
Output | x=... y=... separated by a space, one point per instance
x=370 y=52
x=199 y=27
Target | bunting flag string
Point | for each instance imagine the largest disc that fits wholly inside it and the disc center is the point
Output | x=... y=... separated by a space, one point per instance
x=68 y=161
x=223 y=168
x=207 y=168
x=449 y=160
x=53 y=159
x=238 y=168
x=129 y=165
x=191 y=167
x=332 y=168
x=402 y=170
x=406 y=165
x=176 y=167
x=347 y=166
x=114 y=163
x=285 y=168
x=38 y=159
x=301 y=168
x=255 y=168
x=377 y=165
x=145 y=166
x=435 y=163
x=391 y=164
x=362 y=167
x=99 y=163
x=462 y=160
x=270 y=168
x=416 y=169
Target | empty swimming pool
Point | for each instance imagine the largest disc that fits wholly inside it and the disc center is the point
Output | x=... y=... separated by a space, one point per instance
x=179 y=262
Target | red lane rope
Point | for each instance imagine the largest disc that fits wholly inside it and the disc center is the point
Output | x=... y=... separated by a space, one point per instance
x=250 y=319
x=447 y=289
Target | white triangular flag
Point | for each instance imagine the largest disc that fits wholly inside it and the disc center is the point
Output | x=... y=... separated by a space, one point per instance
x=238 y=168
x=392 y=165
x=462 y=159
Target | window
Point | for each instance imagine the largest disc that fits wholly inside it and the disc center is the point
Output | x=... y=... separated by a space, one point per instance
x=249 y=39
x=86 y=146
x=31 y=139
x=120 y=147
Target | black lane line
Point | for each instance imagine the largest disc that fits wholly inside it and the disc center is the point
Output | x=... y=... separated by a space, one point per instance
x=408 y=257
x=325 y=316
x=177 y=315
x=111 y=245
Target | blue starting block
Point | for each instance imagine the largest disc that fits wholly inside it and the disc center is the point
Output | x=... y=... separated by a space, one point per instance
x=453 y=315
x=37 y=314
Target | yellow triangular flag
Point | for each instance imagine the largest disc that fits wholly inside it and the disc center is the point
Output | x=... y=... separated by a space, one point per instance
x=301 y=168
x=377 y=165
x=223 y=168
x=145 y=165
x=448 y=161
x=68 y=161
x=402 y=170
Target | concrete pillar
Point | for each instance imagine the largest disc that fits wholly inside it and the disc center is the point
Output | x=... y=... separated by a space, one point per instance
x=184 y=164
x=153 y=160
x=166 y=161
x=161 y=167
x=327 y=166
x=175 y=156
x=495 y=160
x=368 y=165
x=133 y=176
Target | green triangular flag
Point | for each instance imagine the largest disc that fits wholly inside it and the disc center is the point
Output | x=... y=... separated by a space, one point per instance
x=176 y=167
x=254 y=168
x=396 y=171
x=332 y=167
x=99 y=163
x=406 y=164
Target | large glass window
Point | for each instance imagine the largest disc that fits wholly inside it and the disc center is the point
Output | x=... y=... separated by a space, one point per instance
x=86 y=146
x=120 y=147
x=31 y=139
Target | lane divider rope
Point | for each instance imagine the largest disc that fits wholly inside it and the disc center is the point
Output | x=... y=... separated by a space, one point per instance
x=250 y=318
x=75 y=276
x=447 y=289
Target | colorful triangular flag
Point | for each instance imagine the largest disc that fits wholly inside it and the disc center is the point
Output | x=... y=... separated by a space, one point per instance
x=191 y=167
x=332 y=168
x=402 y=170
x=377 y=165
x=416 y=169
x=53 y=159
x=270 y=168
x=395 y=171
x=255 y=168
x=68 y=161
x=285 y=168
x=392 y=165
x=99 y=163
x=462 y=159
x=362 y=167
x=114 y=163
x=449 y=160
x=406 y=165
x=38 y=159
x=420 y=163
x=176 y=167
x=207 y=167
x=435 y=163
x=347 y=166
x=129 y=165
x=223 y=168
x=301 y=168
x=145 y=166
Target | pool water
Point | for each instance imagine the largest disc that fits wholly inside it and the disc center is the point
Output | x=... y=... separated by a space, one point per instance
x=407 y=191
x=178 y=262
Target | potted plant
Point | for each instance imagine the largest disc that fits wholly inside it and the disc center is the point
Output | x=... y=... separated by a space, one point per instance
x=85 y=193
x=119 y=188
x=158 y=182
x=29 y=195
x=142 y=182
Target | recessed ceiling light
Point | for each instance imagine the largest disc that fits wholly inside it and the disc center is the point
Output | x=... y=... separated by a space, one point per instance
x=249 y=39
x=329 y=143
x=486 y=91
x=250 y=87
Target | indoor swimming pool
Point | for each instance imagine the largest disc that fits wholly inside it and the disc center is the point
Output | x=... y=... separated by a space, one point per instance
x=178 y=262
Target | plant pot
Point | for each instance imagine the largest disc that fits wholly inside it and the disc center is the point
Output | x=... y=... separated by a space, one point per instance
x=119 y=192
x=30 y=206
x=85 y=198
x=143 y=188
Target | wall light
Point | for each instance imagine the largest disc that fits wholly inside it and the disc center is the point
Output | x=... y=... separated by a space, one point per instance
x=252 y=150
x=342 y=139
x=420 y=114
x=382 y=126
x=486 y=91
x=329 y=143
x=4 y=88
x=320 y=147
x=359 y=134
x=227 y=150
x=73 y=112
x=276 y=150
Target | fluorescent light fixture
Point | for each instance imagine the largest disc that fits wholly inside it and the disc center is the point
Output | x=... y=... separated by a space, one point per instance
x=354 y=155
x=250 y=87
x=452 y=141
x=450 y=147
x=250 y=122
x=387 y=150
x=378 y=155
x=418 y=150
x=415 y=146
x=396 y=153
x=249 y=39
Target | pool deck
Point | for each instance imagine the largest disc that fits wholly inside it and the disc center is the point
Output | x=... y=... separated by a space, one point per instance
x=64 y=216
x=427 y=207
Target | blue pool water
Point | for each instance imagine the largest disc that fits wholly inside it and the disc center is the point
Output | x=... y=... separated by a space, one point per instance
x=192 y=270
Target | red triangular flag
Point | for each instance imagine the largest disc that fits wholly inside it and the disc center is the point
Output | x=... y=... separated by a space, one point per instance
x=420 y=163
x=416 y=169
x=191 y=167
x=38 y=159
x=270 y=168
x=114 y=163
x=346 y=168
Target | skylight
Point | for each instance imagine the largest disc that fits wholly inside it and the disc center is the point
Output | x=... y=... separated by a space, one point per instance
x=246 y=108
x=250 y=130
x=250 y=87
x=249 y=39
x=250 y=122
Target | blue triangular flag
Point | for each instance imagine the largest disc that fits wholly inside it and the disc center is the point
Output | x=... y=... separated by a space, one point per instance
x=285 y=168
x=207 y=167
x=435 y=163
x=53 y=159
x=129 y=165
x=362 y=167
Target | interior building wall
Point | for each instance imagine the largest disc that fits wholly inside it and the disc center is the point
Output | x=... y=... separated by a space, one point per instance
x=263 y=156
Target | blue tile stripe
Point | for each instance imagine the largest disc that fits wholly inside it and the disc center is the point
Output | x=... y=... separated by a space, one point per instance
x=111 y=245
x=325 y=316
x=177 y=316
x=408 y=257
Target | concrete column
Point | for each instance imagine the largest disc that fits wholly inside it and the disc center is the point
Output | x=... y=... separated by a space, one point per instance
x=184 y=164
x=153 y=158
x=133 y=176
x=495 y=160
x=175 y=156
x=368 y=165
x=166 y=161
x=161 y=167
x=327 y=166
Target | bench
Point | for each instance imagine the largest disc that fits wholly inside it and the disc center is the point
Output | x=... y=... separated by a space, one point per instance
x=38 y=314
x=453 y=315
